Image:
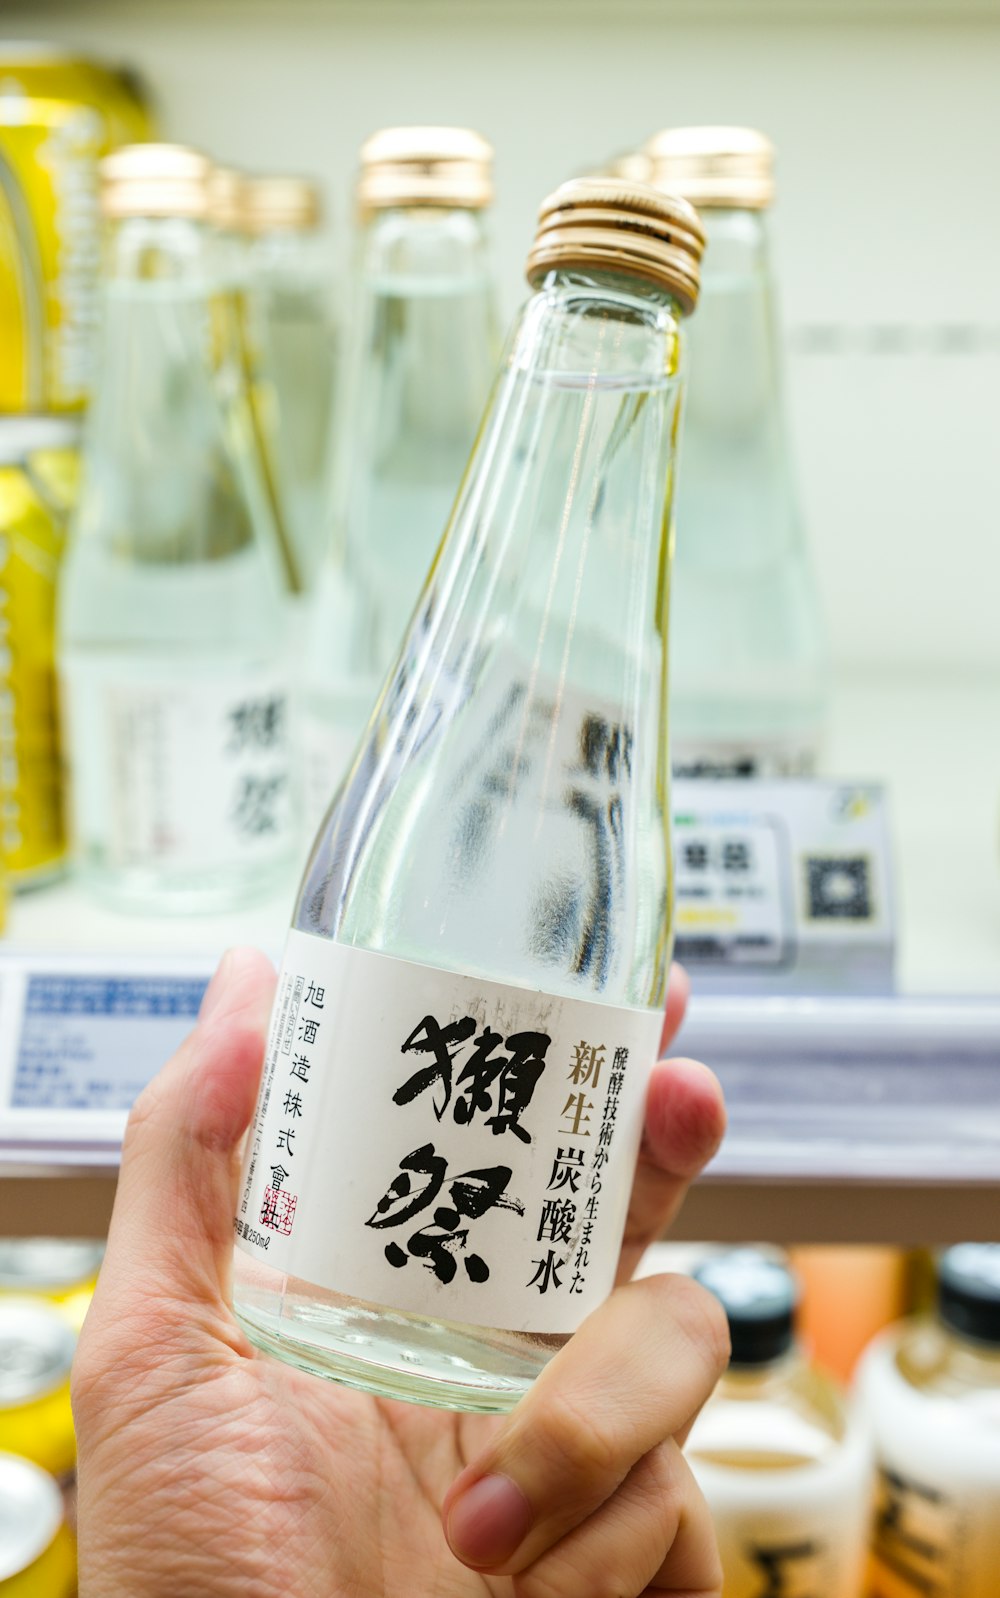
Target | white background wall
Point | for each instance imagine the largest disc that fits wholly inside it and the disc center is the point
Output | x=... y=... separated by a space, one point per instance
x=887 y=118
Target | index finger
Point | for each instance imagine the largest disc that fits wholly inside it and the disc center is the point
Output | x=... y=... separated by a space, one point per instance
x=685 y=1123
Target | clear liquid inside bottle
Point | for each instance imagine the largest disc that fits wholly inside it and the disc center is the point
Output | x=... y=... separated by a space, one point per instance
x=506 y=814
x=419 y=361
x=291 y=279
x=749 y=667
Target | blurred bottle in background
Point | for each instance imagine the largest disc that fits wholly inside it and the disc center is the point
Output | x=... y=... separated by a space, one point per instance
x=785 y=1468
x=242 y=377
x=748 y=650
x=292 y=282
x=418 y=364
x=930 y=1388
x=171 y=623
x=37 y=1548
x=58 y=116
x=38 y=483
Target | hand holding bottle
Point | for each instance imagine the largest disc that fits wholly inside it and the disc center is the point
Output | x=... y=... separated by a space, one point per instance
x=206 y=1468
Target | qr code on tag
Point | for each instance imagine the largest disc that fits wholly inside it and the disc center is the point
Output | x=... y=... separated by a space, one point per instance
x=838 y=888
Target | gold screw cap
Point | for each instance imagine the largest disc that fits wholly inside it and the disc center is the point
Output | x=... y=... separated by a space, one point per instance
x=714 y=167
x=449 y=167
x=290 y=204
x=155 y=180
x=620 y=227
x=226 y=191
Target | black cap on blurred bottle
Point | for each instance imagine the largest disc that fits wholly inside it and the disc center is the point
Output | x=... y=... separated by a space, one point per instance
x=759 y=1295
x=969 y=1291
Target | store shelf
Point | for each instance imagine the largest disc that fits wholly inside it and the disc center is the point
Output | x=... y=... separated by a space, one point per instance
x=872 y=1120
x=849 y=1119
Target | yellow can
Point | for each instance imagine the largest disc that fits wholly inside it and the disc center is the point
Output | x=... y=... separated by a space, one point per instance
x=62 y=1270
x=37 y=1548
x=58 y=117
x=37 y=1344
x=39 y=465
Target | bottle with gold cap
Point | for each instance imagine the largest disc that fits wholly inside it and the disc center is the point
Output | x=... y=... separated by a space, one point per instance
x=470 y=1001
x=172 y=650
x=291 y=282
x=749 y=666
x=420 y=355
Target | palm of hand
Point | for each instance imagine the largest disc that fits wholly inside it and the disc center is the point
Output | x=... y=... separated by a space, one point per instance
x=251 y=1478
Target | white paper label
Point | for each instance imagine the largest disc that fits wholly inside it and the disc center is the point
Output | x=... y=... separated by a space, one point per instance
x=732 y=887
x=201 y=770
x=937 y=1531
x=794 y=1533
x=444 y=1145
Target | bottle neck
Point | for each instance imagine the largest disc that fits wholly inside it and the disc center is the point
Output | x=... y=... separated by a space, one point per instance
x=626 y=298
x=425 y=244
x=532 y=680
x=751 y=1381
x=584 y=421
x=738 y=509
x=143 y=249
x=738 y=248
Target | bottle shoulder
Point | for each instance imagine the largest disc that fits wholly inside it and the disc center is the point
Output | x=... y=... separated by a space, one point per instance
x=921 y=1359
x=423 y=249
x=786 y=1416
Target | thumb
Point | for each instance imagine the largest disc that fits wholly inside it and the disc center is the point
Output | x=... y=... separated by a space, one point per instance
x=171 y=1235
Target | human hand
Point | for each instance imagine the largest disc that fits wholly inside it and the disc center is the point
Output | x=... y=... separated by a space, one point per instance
x=210 y=1471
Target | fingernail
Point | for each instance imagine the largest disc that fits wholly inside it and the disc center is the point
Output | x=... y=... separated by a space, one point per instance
x=213 y=994
x=489 y=1522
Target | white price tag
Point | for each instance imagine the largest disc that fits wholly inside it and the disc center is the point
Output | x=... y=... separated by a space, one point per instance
x=783 y=887
x=732 y=890
x=80 y=1036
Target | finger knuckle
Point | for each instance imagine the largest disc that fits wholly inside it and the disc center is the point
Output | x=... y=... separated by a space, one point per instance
x=144 y=1114
x=701 y=1319
x=666 y=1473
x=556 y=1576
x=575 y=1440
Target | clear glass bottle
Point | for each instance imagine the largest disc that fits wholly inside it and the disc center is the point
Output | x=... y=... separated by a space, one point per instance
x=419 y=359
x=931 y=1390
x=291 y=282
x=749 y=670
x=484 y=925
x=784 y=1466
x=171 y=638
